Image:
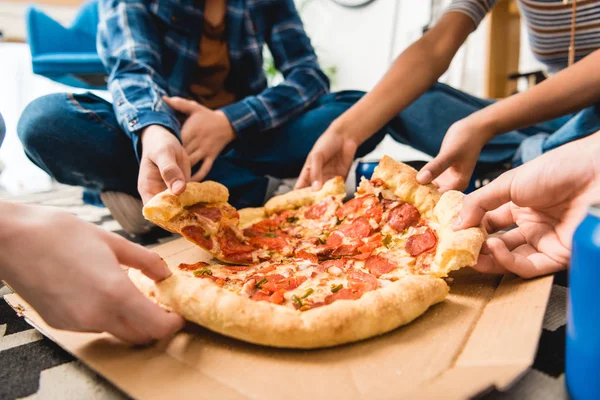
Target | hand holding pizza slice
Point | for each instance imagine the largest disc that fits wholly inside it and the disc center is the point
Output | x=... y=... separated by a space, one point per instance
x=310 y=270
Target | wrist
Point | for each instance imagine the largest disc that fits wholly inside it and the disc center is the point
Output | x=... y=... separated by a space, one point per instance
x=346 y=131
x=226 y=124
x=484 y=124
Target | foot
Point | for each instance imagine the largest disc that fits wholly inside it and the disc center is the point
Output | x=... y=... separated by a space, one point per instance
x=127 y=210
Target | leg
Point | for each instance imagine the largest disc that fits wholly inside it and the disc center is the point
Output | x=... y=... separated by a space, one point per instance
x=584 y=123
x=76 y=139
x=424 y=123
x=280 y=152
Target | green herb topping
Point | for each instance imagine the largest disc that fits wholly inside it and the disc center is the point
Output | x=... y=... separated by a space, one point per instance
x=260 y=283
x=292 y=219
x=336 y=288
x=387 y=240
x=297 y=301
x=309 y=291
x=269 y=235
x=203 y=272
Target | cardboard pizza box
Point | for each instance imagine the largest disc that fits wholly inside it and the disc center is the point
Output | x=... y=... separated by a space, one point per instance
x=484 y=335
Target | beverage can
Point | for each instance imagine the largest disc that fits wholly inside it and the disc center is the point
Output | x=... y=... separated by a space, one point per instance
x=583 y=311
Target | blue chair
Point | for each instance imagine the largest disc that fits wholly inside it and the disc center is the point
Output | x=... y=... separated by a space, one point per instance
x=66 y=55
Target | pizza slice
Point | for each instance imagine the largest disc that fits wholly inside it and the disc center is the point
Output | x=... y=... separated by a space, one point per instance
x=202 y=215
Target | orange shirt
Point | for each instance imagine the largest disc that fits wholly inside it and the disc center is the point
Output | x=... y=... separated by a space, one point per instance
x=208 y=87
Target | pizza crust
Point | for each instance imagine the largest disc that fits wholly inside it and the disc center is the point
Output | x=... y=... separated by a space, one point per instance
x=303 y=197
x=456 y=249
x=344 y=321
x=249 y=216
x=402 y=180
x=166 y=206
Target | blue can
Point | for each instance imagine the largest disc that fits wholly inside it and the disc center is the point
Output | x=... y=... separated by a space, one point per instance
x=365 y=169
x=583 y=311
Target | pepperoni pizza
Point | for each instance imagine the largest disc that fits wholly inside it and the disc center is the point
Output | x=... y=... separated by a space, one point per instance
x=308 y=270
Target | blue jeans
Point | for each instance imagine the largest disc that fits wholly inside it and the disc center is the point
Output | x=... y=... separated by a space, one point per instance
x=424 y=123
x=2 y=130
x=76 y=139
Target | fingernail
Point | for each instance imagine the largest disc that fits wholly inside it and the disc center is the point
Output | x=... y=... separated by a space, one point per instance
x=315 y=185
x=457 y=222
x=178 y=186
x=424 y=176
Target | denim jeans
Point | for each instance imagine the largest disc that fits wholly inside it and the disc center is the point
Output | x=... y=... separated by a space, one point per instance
x=2 y=130
x=76 y=139
x=424 y=123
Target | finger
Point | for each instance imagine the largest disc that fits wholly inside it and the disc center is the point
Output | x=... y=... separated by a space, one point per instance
x=487 y=265
x=204 y=169
x=488 y=198
x=148 y=317
x=316 y=170
x=171 y=172
x=138 y=257
x=513 y=239
x=524 y=261
x=124 y=330
x=500 y=218
x=180 y=104
x=304 y=178
x=433 y=169
x=186 y=166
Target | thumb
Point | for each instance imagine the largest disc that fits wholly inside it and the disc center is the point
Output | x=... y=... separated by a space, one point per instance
x=180 y=104
x=434 y=168
x=489 y=197
x=138 y=257
x=316 y=170
x=171 y=172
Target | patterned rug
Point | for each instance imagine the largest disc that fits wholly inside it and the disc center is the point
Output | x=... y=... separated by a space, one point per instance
x=33 y=367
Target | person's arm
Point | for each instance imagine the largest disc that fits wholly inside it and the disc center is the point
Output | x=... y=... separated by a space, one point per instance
x=304 y=81
x=128 y=44
x=129 y=47
x=69 y=271
x=411 y=75
x=570 y=90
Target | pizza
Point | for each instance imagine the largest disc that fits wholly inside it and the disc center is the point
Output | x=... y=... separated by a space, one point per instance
x=309 y=270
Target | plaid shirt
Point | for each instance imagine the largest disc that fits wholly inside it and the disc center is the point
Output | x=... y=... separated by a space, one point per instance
x=150 y=49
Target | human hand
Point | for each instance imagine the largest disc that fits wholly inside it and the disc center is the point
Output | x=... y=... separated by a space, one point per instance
x=205 y=133
x=331 y=156
x=546 y=198
x=452 y=168
x=69 y=271
x=164 y=163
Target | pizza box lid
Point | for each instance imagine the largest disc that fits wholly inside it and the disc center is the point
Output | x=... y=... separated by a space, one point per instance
x=483 y=336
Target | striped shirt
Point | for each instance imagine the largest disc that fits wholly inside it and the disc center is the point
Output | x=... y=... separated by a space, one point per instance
x=549 y=26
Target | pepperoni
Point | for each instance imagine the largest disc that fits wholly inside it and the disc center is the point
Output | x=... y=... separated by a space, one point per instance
x=351 y=206
x=403 y=216
x=198 y=235
x=334 y=240
x=192 y=267
x=378 y=265
x=343 y=294
x=230 y=243
x=316 y=211
x=277 y=282
x=211 y=213
x=358 y=229
x=387 y=204
x=418 y=244
x=236 y=268
x=217 y=281
x=275 y=298
x=345 y=250
x=307 y=256
x=261 y=227
x=361 y=281
x=265 y=270
x=369 y=247
x=269 y=243
x=324 y=266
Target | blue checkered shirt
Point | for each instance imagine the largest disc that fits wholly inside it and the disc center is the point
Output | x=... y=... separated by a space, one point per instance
x=150 y=49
